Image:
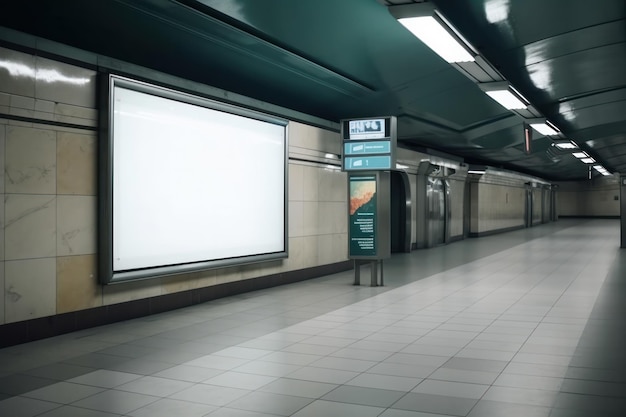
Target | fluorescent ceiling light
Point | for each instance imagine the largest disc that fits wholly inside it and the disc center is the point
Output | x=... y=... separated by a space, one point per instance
x=580 y=155
x=400 y=166
x=504 y=94
x=544 y=127
x=423 y=21
x=566 y=145
x=588 y=160
x=475 y=172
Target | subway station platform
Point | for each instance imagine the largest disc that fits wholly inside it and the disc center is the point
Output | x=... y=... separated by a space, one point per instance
x=528 y=323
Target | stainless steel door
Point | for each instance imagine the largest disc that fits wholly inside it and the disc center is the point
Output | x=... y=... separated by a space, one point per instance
x=436 y=195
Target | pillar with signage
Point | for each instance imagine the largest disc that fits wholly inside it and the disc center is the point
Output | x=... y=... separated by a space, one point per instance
x=369 y=153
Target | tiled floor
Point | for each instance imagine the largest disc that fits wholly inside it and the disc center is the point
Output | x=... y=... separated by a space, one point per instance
x=528 y=323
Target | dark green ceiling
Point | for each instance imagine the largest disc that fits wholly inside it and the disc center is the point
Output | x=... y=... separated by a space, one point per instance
x=336 y=59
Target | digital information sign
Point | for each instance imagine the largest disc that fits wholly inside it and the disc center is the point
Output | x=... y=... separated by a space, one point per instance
x=369 y=144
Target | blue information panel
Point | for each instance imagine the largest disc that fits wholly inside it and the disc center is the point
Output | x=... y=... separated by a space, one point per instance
x=354 y=163
x=367 y=148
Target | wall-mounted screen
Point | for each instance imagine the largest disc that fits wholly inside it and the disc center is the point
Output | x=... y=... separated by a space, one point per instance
x=360 y=129
x=189 y=184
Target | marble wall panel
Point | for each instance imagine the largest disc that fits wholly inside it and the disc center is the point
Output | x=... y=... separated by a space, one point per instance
x=333 y=185
x=76 y=163
x=310 y=183
x=2 y=203
x=30 y=226
x=296 y=182
x=296 y=218
x=332 y=248
x=76 y=225
x=30 y=166
x=64 y=83
x=30 y=289
x=77 y=284
x=310 y=218
x=332 y=218
x=17 y=75
x=302 y=253
x=1 y=292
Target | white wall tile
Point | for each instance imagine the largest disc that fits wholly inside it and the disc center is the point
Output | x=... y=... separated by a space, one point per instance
x=30 y=287
x=75 y=85
x=30 y=226
x=30 y=161
x=19 y=78
x=76 y=225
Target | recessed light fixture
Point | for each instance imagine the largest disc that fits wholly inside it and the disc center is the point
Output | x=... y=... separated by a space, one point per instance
x=505 y=95
x=588 y=160
x=429 y=26
x=545 y=127
x=580 y=155
x=566 y=145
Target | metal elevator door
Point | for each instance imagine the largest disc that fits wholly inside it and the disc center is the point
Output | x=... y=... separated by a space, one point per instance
x=436 y=194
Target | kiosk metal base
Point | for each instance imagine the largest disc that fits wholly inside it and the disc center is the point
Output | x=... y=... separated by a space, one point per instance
x=373 y=270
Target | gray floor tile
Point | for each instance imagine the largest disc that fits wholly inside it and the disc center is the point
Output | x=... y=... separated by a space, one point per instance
x=470 y=364
x=63 y=392
x=240 y=380
x=396 y=383
x=333 y=409
x=68 y=410
x=24 y=407
x=298 y=388
x=232 y=412
x=115 y=402
x=18 y=384
x=462 y=375
x=438 y=404
x=59 y=371
x=364 y=396
x=486 y=408
x=269 y=403
x=155 y=386
x=330 y=376
x=210 y=394
x=344 y=364
x=217 y=362
x=400 y=369
x=291 y=358
x=452 y=389
x=168 y=408
x=104 y=378
x=188 y=373
x=521 y=396
x=404 y=413
x=361 y=354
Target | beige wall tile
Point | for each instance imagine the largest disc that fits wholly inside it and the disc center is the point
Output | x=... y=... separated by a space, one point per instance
x=76 y=225
x=128 y=291
x=30 y=226
x=296 y=182
x=2 y=203
x=1 y=292
x=30 y=289
x=302 y=253
x=75 y=85
x=20 y=77
x=332 y=248
x=177 y=283
x=310 y=218
x=333 y=185
x=310 y=183
x=76 y=163
x=333 y=218
x=77 y=284
x=30 y=166
x=296 y=219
